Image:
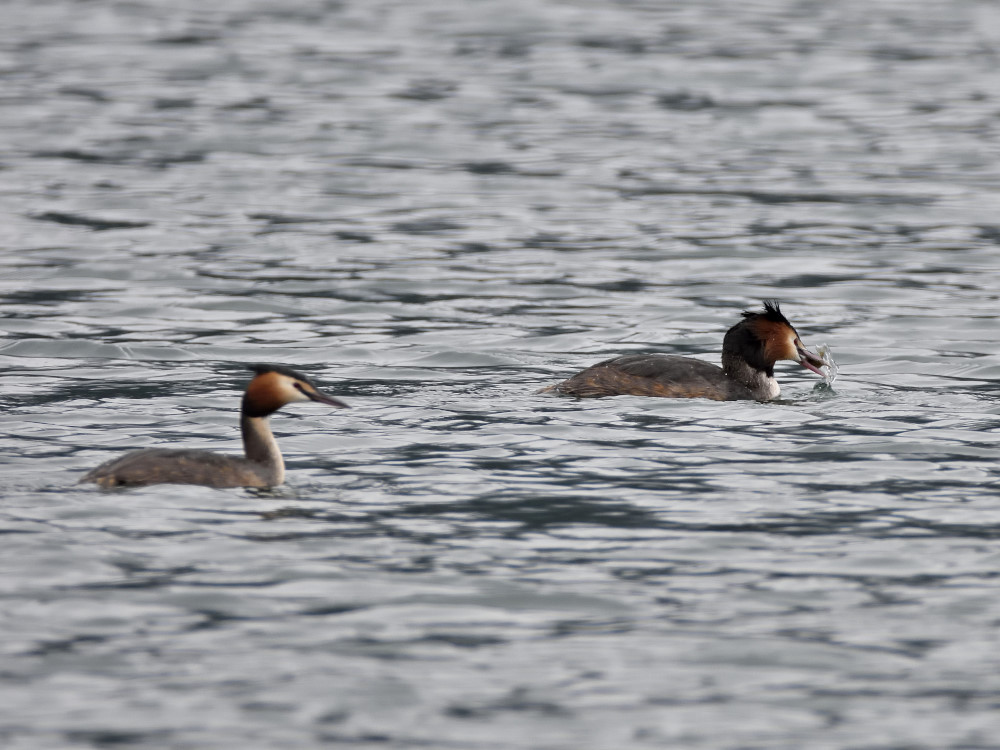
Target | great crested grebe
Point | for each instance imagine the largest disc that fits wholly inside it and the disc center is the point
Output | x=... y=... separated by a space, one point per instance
x=749 y=351
x=271 y=388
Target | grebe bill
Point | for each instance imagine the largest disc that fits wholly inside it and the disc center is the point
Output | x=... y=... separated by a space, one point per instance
x=272 y=387
x=749 y=351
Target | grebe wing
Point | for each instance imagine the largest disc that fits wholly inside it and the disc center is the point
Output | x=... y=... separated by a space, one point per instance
x=671 y=367
x=169 y=466
x=661 y=375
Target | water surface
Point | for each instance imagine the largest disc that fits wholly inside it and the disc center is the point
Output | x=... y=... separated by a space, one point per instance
x=434 y=210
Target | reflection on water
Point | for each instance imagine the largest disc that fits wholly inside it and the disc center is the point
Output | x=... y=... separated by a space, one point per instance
x=436 y=209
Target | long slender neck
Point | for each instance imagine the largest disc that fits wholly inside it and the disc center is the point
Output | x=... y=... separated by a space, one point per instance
x=261 y=448
x=761 y=383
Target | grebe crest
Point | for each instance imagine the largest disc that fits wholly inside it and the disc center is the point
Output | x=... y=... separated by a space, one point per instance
x=750 y=350
x=272 y=387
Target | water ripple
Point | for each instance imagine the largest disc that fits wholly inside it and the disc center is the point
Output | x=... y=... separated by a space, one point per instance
x=436 y=210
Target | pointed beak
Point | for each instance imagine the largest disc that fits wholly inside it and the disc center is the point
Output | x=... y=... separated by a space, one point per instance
x=324 y=399
x=811 y=361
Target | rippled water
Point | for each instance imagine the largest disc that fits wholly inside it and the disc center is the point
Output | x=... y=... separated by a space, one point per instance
x=435 y=209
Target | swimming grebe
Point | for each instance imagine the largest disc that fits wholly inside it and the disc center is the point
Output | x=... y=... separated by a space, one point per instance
x=271 y=388
x=749 y=351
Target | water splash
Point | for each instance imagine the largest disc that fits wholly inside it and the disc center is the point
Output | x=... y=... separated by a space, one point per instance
x=831 y=369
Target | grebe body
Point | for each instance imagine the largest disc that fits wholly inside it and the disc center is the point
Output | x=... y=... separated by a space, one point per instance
x=749 y=351
x=271 y=388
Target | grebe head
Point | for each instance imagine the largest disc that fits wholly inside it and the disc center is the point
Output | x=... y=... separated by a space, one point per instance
x=274 y=386
x=762 y=338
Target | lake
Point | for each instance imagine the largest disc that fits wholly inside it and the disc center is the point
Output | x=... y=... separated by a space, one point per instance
x=435 y=210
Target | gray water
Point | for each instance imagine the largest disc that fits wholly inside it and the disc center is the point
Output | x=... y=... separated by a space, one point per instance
x=435 y=209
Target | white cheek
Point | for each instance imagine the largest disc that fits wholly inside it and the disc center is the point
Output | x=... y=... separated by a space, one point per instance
x=290 y=394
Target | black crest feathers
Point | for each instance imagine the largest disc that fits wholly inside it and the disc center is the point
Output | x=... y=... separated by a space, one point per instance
x=281 y=370
x=771 y=312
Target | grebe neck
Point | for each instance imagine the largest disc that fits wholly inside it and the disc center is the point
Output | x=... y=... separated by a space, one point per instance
x=760 y=382
x=261 y=448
